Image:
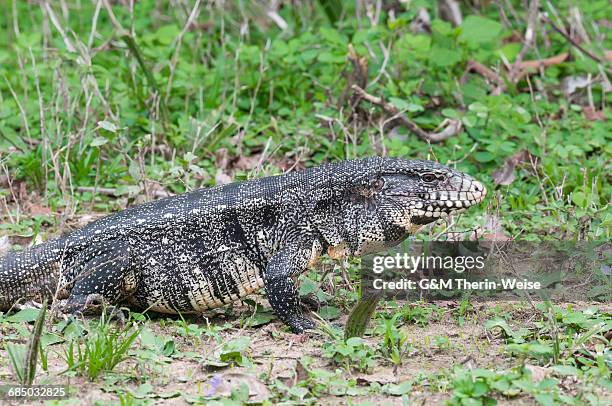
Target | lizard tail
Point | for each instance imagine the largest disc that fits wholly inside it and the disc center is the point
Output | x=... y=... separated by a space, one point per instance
x=31 y=274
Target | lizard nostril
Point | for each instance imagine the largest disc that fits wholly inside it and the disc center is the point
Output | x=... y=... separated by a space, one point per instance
x=480 y=189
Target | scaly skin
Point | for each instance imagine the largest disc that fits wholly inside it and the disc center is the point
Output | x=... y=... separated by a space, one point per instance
x=207 y=248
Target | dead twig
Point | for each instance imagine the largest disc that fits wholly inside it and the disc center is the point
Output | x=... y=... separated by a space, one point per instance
x=530 y=37
x=487 y=73
x=450 y=10
x=178 y=42
x=572 y=40
x=132 y=46
x=452 y=127
x=359 y=76
x=360 y=67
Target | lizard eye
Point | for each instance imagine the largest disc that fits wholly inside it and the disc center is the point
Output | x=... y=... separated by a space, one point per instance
x=428 y=177
x=378 y=184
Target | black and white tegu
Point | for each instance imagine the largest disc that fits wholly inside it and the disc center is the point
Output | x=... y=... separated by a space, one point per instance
x=203 y=249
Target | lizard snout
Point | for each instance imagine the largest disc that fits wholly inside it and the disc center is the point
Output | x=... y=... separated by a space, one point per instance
x=478 y=190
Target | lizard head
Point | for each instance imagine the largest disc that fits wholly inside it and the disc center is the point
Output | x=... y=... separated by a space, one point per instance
x=397 y=197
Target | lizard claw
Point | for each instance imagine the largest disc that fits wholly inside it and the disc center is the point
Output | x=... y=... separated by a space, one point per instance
x=310 y=302
x=300 y=323
x=112 y=312
x=93 y=304
x=116 y=313
x=93 y=300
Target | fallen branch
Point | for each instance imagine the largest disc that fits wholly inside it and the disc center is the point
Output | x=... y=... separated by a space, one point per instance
x=528 y=67
x=453 y=127
x=524 y=68
x=114 y=192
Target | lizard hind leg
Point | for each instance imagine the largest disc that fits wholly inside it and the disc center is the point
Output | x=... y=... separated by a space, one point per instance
x=104 y=278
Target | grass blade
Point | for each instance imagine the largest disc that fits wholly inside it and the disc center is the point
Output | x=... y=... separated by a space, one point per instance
x=360 y=315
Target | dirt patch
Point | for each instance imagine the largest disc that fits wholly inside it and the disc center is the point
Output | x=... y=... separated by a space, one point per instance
x=274 y=357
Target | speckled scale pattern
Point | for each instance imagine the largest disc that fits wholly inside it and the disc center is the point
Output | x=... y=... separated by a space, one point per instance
x=203 y=249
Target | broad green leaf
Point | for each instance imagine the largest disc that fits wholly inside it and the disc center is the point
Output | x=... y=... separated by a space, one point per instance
x=510 y=51
x=332 y=36
x=545 y=399
x=142 y=391
x=444 y=57
x=566 y=370
x=261 y=317
x=579 y=199
x=484 y=156
x=24 y=315
x=451 y=113
x=108 y=126
x=329 y=312
x=476 y=30
x=166 y=34
x=98 y=141
x=398 y=389
x=500 y=323
x=232 y=350
x=307 y=286
x=404 y=105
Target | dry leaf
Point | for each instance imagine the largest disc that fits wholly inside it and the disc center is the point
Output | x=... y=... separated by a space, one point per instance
x=497 y=236
x=493 y=230
x=85 y=219
x=222 y=158
x=381 y=376
x=4 y=181
x=246 y=163
x=571 y=84
x=293 y=164
x=222 y=178
x=258 y=392
x=505 y=175
x=301 y=373
x=593 y=115
x=537 y=373
x=37 y=210
x=5 y=245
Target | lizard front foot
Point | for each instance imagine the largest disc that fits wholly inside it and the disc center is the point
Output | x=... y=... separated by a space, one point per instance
x=94 y=304
x=299 y=323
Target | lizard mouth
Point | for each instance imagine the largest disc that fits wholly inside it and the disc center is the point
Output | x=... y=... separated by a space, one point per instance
x=442 y=203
